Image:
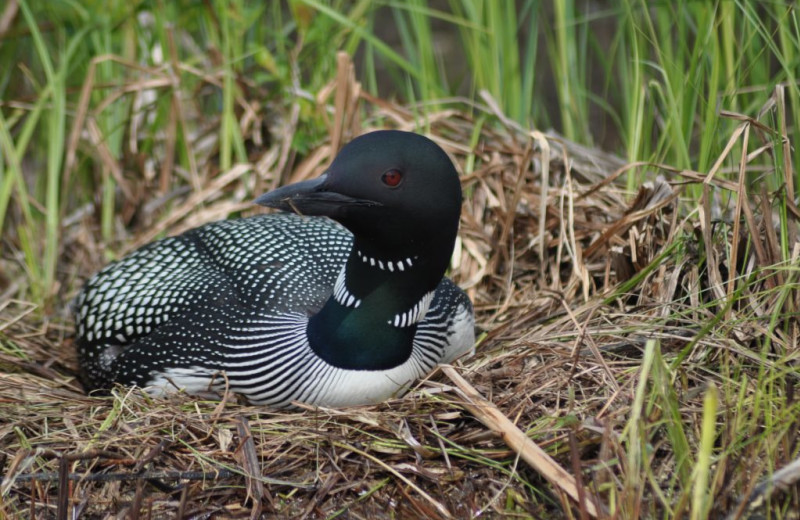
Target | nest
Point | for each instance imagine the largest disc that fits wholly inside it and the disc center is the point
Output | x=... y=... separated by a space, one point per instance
x=579 y=286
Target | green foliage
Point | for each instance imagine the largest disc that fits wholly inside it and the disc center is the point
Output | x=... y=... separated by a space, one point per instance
x=648 y=78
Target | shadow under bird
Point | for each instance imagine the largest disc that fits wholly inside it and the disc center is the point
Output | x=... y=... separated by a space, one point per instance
x=343 y=304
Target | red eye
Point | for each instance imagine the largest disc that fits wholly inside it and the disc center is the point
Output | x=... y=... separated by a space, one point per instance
x=392 y=178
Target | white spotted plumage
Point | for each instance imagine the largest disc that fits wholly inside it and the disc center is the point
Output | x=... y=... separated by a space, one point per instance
x=278 y=307
x=159 y=339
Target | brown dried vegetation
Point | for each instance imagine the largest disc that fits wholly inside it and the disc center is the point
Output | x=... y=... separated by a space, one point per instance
x=571 y=277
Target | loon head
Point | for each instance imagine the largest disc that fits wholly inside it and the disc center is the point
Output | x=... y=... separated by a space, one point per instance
x=397 y=192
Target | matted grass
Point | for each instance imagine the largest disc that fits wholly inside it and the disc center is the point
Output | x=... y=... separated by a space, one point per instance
x=638 y=336
x=646 y=345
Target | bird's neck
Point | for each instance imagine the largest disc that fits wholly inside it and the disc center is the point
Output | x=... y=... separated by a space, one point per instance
x=370 y=320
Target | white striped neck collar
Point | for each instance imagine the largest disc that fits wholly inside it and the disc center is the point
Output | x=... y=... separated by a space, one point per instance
x=392 y=266
x=370 y=320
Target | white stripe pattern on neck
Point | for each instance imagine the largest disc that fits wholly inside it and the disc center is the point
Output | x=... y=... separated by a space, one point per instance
x=414 y=314
x=341 y=294
x=383 y=265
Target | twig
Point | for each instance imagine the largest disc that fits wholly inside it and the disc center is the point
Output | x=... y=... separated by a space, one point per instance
x=779 y=481
x=62 y=505
x=154 y=452
x=248 y=459
x=438 y=506
x=487 y=413
x=182 y=504
x=53 y=476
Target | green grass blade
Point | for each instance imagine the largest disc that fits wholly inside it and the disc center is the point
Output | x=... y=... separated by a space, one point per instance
x=701 y=494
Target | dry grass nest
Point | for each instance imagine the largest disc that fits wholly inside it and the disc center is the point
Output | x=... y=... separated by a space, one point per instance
x=571 y=276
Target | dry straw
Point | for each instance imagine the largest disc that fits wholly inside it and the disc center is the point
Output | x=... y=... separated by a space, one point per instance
x=569 y=275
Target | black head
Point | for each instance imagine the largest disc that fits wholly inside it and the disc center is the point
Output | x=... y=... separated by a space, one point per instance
x=398 y=192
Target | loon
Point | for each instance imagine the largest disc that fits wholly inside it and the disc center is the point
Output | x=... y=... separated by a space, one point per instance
x=341 y=300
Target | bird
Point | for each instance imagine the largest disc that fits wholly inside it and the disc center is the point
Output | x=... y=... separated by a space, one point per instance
x=340 y=299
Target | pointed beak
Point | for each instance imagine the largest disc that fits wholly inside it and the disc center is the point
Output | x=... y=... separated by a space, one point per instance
x=312 y=197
